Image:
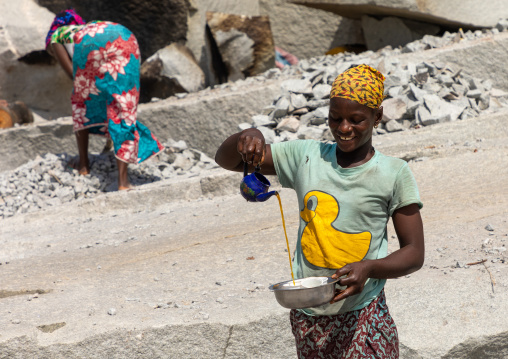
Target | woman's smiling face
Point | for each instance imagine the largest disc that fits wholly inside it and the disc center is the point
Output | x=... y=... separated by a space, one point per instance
x=351 y=123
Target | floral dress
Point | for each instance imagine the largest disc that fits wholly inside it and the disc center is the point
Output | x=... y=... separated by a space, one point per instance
x=106 y=62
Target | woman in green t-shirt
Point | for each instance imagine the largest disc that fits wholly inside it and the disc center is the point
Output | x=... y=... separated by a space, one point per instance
x=347 y=192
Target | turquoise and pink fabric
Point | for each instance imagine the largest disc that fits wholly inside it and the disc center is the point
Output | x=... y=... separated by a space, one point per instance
x=106 y=65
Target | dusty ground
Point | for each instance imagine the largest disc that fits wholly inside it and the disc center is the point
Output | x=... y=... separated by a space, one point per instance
x=188 y=279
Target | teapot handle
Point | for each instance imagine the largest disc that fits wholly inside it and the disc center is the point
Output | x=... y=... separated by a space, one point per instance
x=246 y=169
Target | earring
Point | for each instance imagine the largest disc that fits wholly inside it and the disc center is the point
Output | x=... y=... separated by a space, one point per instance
x=377 y=124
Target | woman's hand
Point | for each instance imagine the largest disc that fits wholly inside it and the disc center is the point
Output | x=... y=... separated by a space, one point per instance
x=406 y=260
x=251 y=146
x=246 y=146
x=356 y=274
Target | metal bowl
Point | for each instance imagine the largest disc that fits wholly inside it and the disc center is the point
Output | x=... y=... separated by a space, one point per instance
x=302 y=295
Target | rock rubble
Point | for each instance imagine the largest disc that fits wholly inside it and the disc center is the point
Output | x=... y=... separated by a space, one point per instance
x=48 y=181
x=416 y=93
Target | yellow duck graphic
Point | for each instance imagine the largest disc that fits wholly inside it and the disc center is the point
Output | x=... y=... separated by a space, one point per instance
x=324 y=245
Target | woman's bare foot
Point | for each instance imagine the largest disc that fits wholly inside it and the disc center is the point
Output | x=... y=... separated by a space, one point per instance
x=76 y=164
x=123 y=178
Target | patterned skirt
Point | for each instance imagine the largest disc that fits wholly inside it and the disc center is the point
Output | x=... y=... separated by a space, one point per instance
x=366 y=333
x=105 y=97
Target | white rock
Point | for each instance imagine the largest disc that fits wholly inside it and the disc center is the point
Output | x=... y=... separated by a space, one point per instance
x=281 y=107
x=21 y=38
x=309 y=132
x=298 y=100
x=393 y=126
x=179 y=66
x=297 y=86
x=244 y=125
x=393 y=109
x=182 y=162
x=178 y=146
x=394 y=91
x=269 y=134
x=489 y=227
x=321 y=91
x=290 y=124
x=502 y=25
x=262 y=120
x=424 y=117
x=474 y=93
x=498 y=93
x=417 y=92
x=442 y=110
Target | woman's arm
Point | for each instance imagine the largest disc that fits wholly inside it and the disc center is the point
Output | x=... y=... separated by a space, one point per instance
x=408 y=259
x=59 y=51
x=246 y=146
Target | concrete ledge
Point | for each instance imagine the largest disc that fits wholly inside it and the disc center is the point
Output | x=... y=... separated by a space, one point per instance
x=202 y=119
x=210 y=184
x=252 y=340
x=205 y=119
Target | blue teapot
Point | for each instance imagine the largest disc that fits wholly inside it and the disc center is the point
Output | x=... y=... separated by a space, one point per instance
x=254 y=186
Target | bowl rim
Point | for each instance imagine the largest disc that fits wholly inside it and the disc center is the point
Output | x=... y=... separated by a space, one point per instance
x=280 y=286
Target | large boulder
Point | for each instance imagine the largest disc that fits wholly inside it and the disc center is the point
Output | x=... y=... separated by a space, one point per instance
x=198 y=40
x=170 y=70
x=154 y=23
x=244 y=43
x=393 y=31
x=308 y=32
x=465 y=13
x=300 y=30
x=27 y=72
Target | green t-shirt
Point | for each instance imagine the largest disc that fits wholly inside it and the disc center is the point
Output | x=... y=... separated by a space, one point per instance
x=343 y=211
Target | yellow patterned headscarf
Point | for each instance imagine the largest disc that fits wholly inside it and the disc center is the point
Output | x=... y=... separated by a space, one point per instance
x=362 y=84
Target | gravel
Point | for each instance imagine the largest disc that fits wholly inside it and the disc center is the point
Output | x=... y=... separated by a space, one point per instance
x=47 y=181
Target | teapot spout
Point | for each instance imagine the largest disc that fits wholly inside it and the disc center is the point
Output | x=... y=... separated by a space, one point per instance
x=264 y=196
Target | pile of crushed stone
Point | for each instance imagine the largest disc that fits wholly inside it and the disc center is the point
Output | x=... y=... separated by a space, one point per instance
x=48 y=181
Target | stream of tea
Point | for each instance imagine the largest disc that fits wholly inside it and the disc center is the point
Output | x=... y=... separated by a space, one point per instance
x=285 y=233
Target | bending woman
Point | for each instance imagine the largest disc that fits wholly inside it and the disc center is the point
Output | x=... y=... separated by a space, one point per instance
x=103 y=59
